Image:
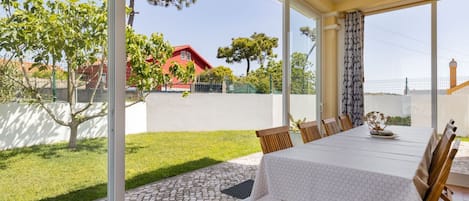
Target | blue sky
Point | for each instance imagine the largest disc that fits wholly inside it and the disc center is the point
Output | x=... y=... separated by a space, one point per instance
x=397 y=44
x=207 y=25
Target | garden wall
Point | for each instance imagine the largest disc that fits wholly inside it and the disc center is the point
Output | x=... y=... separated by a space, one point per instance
x=26 y=125
x=205 y=112
x=449 y=106
x=392 y=105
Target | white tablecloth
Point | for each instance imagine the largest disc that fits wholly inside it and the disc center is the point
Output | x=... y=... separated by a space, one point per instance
x=348 y=166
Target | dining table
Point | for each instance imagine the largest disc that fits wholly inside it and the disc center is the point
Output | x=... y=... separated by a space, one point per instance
x=350 y=166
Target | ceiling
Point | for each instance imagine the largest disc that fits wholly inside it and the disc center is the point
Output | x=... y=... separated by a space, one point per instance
x=326 y=6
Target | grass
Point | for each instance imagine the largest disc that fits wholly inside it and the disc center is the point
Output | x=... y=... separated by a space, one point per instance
x=52 y=172
x=464 y=139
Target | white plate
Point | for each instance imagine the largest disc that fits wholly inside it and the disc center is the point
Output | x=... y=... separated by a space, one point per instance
x=385 y=136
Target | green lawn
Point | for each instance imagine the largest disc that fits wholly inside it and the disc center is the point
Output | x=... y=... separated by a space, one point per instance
x=53 y=172
x=464 y=139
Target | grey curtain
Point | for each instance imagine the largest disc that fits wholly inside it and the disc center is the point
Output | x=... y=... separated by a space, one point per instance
x=352 y=94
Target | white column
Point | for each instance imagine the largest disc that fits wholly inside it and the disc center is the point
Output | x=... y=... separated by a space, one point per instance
x=434 y=65
x=116 y=91
x=286 y=63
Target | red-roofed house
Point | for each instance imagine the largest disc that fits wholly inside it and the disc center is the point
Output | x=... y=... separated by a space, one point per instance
x=182 y=54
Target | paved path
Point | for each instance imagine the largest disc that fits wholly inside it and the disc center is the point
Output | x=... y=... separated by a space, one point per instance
x=461 y=162
x=202 y=184
x=206 y=183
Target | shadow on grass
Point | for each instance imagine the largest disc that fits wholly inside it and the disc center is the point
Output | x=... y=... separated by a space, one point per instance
x=97 y=145
x=99 y=191
x=132 y=148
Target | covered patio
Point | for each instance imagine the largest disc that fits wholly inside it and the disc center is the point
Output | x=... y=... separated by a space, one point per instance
x=340 y=70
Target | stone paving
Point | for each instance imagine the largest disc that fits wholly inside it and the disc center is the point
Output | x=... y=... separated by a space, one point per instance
x=206 y=183
x=461 y=162
x=202 y=184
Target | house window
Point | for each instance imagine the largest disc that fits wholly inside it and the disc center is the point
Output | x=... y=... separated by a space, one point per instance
x=188 y=56
x=185 y=55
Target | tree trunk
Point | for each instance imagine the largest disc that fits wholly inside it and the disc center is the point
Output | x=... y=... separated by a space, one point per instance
x=72 y=143
x=249 y=66
x=71 y=90
x=130 y=22
x=72 y=101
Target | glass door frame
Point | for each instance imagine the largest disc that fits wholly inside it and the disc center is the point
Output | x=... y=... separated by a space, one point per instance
x=309 y=12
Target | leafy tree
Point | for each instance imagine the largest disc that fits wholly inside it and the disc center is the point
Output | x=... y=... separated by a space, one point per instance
x=53 y=32
x=8 y=87
x=217 y=74
x=266 y=80
x=269 y=79
x=258 y=47
x=147 y=75
x=302 y=78
x=179 y=4
x=47 y=74
x=75 y=33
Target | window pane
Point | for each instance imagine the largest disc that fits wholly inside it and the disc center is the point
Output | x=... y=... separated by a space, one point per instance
x=303 y=64
x=397 y=65
x=53 y=142
x=453 y=74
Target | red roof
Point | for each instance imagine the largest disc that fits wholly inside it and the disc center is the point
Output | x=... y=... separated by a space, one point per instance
x=184 y=47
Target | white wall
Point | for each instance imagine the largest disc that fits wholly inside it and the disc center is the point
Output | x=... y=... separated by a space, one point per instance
x=449 y=107
x=392 y=105
x=27 y=125
x=303 y=106
x=421 y=110
x=457 y=108
x=136 y=119
x=202 y=112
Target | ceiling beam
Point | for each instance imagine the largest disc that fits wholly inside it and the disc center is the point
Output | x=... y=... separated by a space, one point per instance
x=321 y=5
x=370 y=5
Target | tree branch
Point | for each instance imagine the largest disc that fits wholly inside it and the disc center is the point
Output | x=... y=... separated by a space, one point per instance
x=101 y=113
x=139 y=100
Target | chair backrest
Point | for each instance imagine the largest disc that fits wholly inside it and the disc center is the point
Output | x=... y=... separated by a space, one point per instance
x=345 y=122
x=451 y=121
x=331 y=126
x=309 y=131
x=274 y=139
x=435 y=190
x=439 y=155
x=450 y=126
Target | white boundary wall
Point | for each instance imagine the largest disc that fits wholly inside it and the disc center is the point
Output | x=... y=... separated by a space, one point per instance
x=392 y=105
x=205 y=112
x=449 y=107
x=26 y=125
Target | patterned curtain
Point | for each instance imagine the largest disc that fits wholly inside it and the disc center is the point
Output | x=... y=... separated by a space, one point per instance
x=352 y=94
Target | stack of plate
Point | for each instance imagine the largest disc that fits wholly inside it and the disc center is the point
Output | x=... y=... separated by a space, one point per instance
x=387 y=134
